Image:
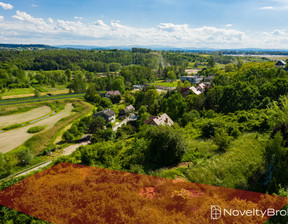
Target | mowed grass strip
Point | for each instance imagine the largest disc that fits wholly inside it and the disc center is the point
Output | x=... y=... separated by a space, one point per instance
x=13 y=126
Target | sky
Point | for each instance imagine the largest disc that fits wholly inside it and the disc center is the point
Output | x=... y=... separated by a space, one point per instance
x=220 y=24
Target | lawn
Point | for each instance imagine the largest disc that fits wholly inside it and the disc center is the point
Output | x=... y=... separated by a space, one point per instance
x=49 y=89
x=20 y=91
x=164 y=83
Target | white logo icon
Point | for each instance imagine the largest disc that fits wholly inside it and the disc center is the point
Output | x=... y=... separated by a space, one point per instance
x=215 y=212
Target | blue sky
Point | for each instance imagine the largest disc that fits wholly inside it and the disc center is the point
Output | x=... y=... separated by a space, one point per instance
x=179 y=23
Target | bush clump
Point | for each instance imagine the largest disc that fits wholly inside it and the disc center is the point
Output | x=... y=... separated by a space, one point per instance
x=36 y=129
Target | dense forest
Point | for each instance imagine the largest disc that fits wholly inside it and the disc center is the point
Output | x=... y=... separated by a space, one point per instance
x=232 y=135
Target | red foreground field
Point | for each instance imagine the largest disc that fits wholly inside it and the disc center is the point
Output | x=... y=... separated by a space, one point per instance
x=71 y=193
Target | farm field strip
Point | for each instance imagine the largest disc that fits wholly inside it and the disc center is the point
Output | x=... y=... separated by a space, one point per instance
x=24 y=117
x=14 y=138
x=39 y=99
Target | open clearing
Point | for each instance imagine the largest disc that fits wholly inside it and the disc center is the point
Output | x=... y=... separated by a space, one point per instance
x=24 y=117
x=11 y=139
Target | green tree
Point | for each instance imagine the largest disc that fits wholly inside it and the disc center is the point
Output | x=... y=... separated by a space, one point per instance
x=118 y=84
x=106 y=103
x=171 y=75
x=167 y=146
x=221 y=139
x=68 y=74
x=92 y=95
x=25 y=156
x=211 y=62
x=36 y=93
x=174 y=106
x=143 y=115
x=97 y=124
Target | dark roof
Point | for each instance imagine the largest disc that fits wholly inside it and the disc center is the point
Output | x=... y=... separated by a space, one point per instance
x=281 y=62
x=107 y=112
x=183 y=90
x=151 y=118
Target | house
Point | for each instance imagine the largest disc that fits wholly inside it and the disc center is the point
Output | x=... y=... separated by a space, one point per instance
x=209 y=78
x=194 y=79
x=185 y=91
x=108 y=115
x=112 y=93
x=281 y=64
x=126 y=111
x=163 y=119
x=201 y=87
x=136 y=87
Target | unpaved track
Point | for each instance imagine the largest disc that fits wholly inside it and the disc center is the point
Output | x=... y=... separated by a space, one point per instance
x=11 y=139
x=24 y=117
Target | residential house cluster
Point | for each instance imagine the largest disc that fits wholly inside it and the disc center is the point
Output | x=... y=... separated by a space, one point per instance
x=112 y=93
x=196 y=90
x=163 y=119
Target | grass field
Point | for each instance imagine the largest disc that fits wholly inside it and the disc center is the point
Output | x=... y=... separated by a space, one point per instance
x=24 y=117
x=28 y=92
x=39 y=99
x=20 y=91
x=164 y=83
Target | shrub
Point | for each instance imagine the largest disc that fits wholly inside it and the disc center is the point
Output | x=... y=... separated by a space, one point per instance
x=167 y=146
x=25 y=156
x=36 y=129
x=222 y=139
x=235 y=133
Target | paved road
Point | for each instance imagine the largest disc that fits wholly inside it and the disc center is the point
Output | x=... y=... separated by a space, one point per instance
x=125 y=121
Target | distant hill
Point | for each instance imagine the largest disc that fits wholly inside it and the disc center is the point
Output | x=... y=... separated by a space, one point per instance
x=20 y=47
x=171 y=48
x=152 y=47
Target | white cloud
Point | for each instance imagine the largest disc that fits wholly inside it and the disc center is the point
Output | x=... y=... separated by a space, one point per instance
x=267 y=7
x=1 y=18
x=34 y=5
x=28 y=29
x=228 y=25
x=50 y=20
x=78 y=17
x=6 y=5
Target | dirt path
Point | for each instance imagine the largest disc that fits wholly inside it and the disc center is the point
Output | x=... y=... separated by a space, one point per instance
x=11 y=139
x=23 y=117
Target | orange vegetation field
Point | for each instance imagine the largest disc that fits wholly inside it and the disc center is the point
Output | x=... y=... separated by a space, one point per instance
x=70 y=193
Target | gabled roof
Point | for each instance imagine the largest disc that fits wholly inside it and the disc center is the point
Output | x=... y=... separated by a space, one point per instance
x=150 y=119
x=195 y=91
x=163 y=119
x=113 y=93
x=281 y=62
x=129 y=108
x=107 y=112
x=202 y=85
